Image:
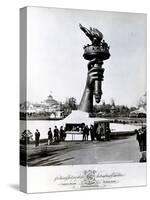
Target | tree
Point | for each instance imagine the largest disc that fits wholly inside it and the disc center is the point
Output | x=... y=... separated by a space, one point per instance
x=68 y=105
x=72 y=103
x=142 y=101
x=113 y=102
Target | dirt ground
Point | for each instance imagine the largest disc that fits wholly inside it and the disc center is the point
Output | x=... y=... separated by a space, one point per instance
x=76 y=153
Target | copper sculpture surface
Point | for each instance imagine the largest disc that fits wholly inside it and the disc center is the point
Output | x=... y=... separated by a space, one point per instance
x=96 y=53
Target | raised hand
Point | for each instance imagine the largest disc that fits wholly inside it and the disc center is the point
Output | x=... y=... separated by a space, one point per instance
x=95 y=73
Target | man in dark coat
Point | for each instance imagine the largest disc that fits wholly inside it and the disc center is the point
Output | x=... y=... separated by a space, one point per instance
x=56 y=134
x=92 y=132
x=143 y=145
x=50 y=136
x=141 y=138
x=107 y=133
x=37 y=137
x=85 y=133
x=62 y=133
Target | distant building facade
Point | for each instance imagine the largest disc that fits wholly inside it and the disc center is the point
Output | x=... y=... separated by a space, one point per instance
x=49 y=107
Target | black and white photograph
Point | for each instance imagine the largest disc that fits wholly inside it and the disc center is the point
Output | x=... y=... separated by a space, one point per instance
x=84 y=98
x=74 y=99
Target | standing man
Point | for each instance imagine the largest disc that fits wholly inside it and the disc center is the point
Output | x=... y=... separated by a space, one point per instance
x=50 y=136
x=61 y=132
x=56 y=134
x=92 y=132
x=37 y=137
x=87 y=132
x=84 y=133
x=108 y=133
x=141 y=138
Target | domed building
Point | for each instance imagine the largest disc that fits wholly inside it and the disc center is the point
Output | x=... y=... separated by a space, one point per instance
x=51 y=106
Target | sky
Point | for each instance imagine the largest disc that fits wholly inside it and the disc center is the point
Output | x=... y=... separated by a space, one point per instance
x=55 y=62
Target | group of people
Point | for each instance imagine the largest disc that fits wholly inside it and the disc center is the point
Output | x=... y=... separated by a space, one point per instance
x=56 y=135
x=98 y=133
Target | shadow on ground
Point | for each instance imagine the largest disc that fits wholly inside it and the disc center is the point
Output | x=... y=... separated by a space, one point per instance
x=15 y=186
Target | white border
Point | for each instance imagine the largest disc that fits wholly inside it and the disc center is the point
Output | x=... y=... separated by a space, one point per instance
x=9 y=87
x=85 y=177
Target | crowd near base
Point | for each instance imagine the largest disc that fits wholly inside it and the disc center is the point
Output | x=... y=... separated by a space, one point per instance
x=88 y=133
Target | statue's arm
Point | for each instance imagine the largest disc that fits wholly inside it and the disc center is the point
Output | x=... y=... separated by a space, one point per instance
x=86 y=103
